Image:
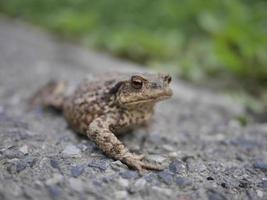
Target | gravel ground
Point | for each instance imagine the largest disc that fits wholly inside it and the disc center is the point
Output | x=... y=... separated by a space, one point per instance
x=208 y=152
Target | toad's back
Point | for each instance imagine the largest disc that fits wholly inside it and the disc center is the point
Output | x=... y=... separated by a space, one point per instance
x=88 y=101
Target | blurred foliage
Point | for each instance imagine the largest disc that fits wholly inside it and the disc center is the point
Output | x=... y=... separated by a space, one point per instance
x=196 y=39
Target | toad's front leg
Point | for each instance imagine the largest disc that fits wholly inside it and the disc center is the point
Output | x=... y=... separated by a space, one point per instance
x=100 y=132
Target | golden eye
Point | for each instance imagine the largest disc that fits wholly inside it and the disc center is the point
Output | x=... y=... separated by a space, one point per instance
x=137 y=83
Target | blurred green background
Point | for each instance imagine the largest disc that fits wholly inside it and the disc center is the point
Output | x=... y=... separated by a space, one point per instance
x=197 y=40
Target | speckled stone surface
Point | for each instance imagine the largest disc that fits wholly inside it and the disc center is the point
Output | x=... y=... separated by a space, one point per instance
x=208 y=154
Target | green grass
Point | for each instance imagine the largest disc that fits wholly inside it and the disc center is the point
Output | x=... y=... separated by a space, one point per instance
x=194 y=39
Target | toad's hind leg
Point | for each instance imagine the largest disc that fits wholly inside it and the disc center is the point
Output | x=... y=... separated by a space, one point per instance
x=51 y=95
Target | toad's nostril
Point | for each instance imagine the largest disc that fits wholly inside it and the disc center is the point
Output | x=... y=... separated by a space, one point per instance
x=168 y=79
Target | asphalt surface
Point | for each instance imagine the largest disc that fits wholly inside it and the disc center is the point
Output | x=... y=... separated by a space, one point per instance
x=208 y=151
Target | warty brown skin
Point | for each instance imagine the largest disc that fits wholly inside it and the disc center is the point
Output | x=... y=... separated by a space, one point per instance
x=105 y=108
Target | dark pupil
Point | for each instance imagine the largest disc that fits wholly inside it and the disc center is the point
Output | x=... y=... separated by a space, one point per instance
x=137 y=84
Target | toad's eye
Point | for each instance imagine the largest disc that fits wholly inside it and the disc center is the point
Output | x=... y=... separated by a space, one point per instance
x=136 y=83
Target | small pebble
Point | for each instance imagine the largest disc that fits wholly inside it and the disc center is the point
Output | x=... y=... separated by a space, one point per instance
x=13 y=153
x=173 y=155
x=164 y=191
x=97 y=183
x=261 y=166
x=57 y=178
x=21 y=166
x=129 y=174
x=197 y=166
x=214 y=195
x=156 y=158
x=150 y=178
x=168 y=147
x=108 y=179
x=24 y=149
x=177 y=166
x=259 y=193
x=118 y=165
x=123 y=182
x=11 y=168
x=30 y=161
x=139 y=184
x=100 y=164
x=166 y=177
x=54 y=163
x=155 y=139
x=77 y=170
x=121 y=195
x=76 y=184
x=71 y=151
x=83 y=147
x=182 y=182
x=264 y=184
x=55 y=192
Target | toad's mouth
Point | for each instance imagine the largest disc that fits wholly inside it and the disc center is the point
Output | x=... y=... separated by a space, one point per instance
x=148 y=100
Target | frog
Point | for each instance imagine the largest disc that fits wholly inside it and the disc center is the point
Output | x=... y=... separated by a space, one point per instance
x=107 y=107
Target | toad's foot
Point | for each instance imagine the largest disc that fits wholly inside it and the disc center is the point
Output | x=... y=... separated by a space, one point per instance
x=135 y=162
